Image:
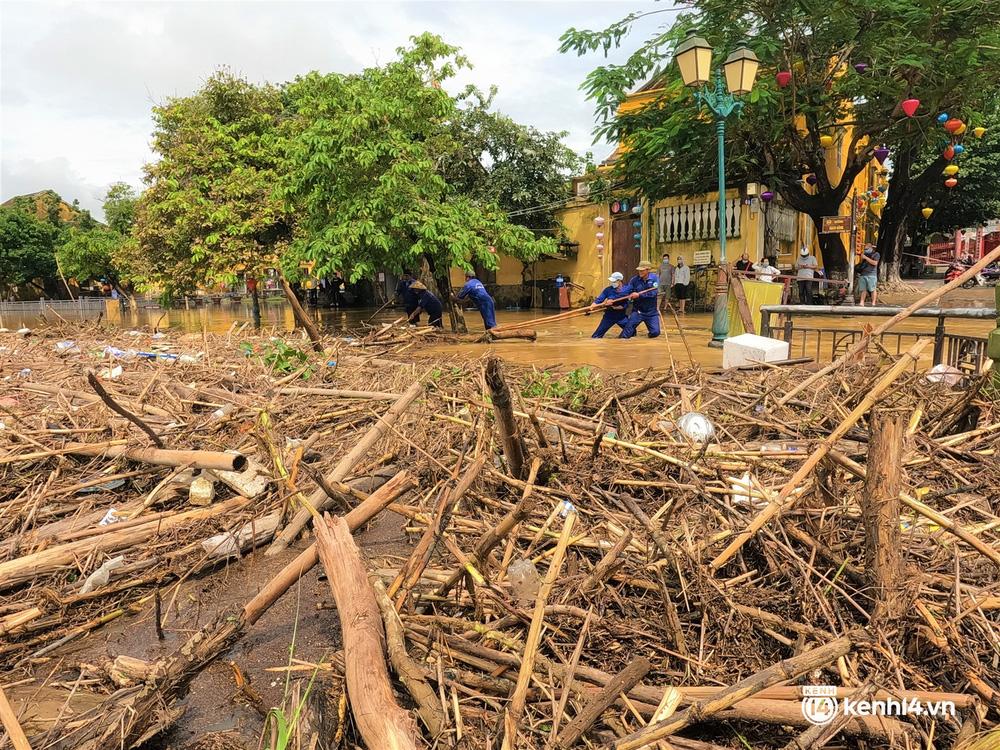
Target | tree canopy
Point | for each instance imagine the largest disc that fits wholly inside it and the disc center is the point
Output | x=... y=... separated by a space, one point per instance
x=26 y=249
x=366 y=172
x=852 y=63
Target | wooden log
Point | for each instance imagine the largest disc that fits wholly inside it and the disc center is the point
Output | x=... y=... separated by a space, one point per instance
x=340 y=393
x=89 y=398
x=215 y=460
x=908 y=358
x=121 y=410
x=300 y=315
x=11 y=724
x=380 y=720
x=863 y=341
x=700 y=710
x=319 y=500
x=608 y=564
x=880 y=513
x=513 y=444
x=622 y=682
x=498 y=334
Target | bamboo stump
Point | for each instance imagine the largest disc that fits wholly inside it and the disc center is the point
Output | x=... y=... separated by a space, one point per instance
x=513 y=445
x=880 y=513
x=382 y=723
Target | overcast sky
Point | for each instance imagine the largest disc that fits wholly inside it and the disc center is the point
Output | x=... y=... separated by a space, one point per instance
x=77 y=79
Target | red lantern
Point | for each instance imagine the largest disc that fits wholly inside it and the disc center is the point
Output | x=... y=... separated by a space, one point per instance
x=784 y=77
x=909 y=106
x=949 y=152
x=950 y=182
x=953 y=124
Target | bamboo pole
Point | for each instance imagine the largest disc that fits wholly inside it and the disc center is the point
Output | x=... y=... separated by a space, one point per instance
x=622 y=682
x=539 y=322
x=161 y=457
x=340 y=393
x=953 y=528
x=11 y=724
x=513 y=444
x=774 y=507
x=319 y=501
x=862 y=344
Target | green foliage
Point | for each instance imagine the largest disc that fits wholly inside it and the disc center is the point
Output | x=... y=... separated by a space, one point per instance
x=119 y=207
x=944 y=52
x=26 y=248
x=366 y=177
x=208 y=214
x=86 y=254
x=279 y=356
x=575 y=384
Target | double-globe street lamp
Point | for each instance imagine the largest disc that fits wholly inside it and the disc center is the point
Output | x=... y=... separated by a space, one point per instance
x=694 y=58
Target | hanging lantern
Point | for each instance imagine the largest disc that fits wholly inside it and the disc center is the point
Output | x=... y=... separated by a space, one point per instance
x=599 y=220
x=636 y=236
x=861 y=67
x=784 y=77
x=949 y=152
x=950 y=182
x=599 y=235
x=953 y=125
x=951 y=169
x=909 y=106
x=927 y=211
x=637 y=224
x=624 y=205
x=637 y=209
x=959 y=148
x=826 y=141
x=961 y=130
x=979 y=132
x=881 y=154
x=811 y=179
x=600 y=247
x=943 y=118
x=767 y=196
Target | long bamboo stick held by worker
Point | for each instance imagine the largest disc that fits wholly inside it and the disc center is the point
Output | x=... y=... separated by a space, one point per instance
x=536 y=322
x=909 y=357
x=862 y=343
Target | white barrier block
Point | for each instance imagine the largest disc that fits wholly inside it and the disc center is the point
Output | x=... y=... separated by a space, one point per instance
x=748 y=349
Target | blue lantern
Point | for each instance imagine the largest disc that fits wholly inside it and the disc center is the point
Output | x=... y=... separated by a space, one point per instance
x=959 y=148
x=637 y=224
x=636 y=236
x=943 y=118
x=637 y=209
x=624 y=205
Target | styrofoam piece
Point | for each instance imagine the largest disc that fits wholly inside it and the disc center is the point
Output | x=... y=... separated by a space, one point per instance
x=749 y=349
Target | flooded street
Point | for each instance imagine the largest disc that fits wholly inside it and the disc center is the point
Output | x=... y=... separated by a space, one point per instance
x=562 y=344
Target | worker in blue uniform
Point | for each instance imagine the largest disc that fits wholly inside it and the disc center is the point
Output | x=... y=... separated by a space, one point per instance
x=475 y=291
x=643 y=288
x=427 y=302
x=614 y=300
x=406 y=296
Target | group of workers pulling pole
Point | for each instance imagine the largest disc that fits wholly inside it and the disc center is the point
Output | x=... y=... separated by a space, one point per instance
x=641 y=291
x=417 y=299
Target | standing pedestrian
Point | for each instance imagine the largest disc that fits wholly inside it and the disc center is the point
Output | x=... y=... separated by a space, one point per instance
x=476 y=292
x=868 y=275
x=643 y=289
x=682 y=280
x=666 y=281
x=614 y=300
x=806 y=266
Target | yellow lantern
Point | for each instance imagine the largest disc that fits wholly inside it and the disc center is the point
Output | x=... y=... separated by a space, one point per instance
x=826 y=141
x=979 y=132
x=962 y=129
x=927 y=212
x=951 y=169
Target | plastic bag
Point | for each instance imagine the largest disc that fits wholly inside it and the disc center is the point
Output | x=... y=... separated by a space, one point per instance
x=102 y=575
x=696 y=426
x=524 y=580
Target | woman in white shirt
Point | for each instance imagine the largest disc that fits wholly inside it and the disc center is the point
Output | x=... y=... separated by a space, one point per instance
x=764 y=271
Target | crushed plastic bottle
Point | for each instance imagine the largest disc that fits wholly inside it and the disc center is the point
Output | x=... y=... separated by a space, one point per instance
x=565 y=508
x=202 y=491
x=524 y=580
x=696 y=426
x=67 y=347
x=102 y=575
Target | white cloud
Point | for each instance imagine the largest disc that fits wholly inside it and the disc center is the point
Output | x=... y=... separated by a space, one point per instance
x=78 y=79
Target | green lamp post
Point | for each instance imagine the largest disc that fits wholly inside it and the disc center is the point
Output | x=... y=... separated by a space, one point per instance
x=694 y=59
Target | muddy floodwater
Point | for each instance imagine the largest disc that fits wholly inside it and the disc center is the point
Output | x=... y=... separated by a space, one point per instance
x=561 y=344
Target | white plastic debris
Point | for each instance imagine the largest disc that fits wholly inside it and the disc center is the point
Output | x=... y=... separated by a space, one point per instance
x=112 y=373
x=749 y=348
x=67 y=347
x=202 y=491
x=250 y=482
x=158 y=335
x=110 y=517
x=696 y=426
x=565 y=508
x=741 y=488
x=942 y=373
x=230 y=544
x=102 y=575
x=24 y=332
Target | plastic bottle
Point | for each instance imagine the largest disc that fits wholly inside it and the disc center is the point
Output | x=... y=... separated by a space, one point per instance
x=524 y=580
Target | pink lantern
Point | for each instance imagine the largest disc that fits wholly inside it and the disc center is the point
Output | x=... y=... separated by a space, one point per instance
x=599 y=235
x=910 y=106
x=784 y=78
x=599 y=220
x=600 y=247
x=861 y=67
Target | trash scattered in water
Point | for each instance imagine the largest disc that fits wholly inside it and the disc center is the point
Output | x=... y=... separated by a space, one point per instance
x=67 y=347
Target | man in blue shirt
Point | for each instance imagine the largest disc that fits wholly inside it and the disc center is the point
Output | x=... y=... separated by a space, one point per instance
x=476 y=292
x=643 y=289
x=427 y=302
x=406 y=296
x=614 y=314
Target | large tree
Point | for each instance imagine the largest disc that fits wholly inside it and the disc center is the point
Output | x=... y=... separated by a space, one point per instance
x=366 y=173
x=943 y=52
x=27 y=255
x=209 y=215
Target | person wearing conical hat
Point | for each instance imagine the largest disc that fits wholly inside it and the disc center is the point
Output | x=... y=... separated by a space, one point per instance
x=427 y=302
x=614 y=301
x=643 y=288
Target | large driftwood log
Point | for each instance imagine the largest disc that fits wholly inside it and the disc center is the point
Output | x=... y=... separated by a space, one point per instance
x=513 y=444
x=319 y=500
x=381 y=721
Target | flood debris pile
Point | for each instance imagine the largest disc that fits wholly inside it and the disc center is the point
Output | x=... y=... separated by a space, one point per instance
x=643 y=560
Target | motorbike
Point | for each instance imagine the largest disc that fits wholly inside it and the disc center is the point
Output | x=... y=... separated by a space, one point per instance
x=956 y=269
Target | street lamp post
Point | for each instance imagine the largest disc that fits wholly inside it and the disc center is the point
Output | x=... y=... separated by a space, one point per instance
x=694 y=58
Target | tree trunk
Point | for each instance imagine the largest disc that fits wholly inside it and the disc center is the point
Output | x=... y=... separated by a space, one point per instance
x=513 y=444
x=443 y=284
x=301 y=318
x=832 y=248
x=255 y=307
